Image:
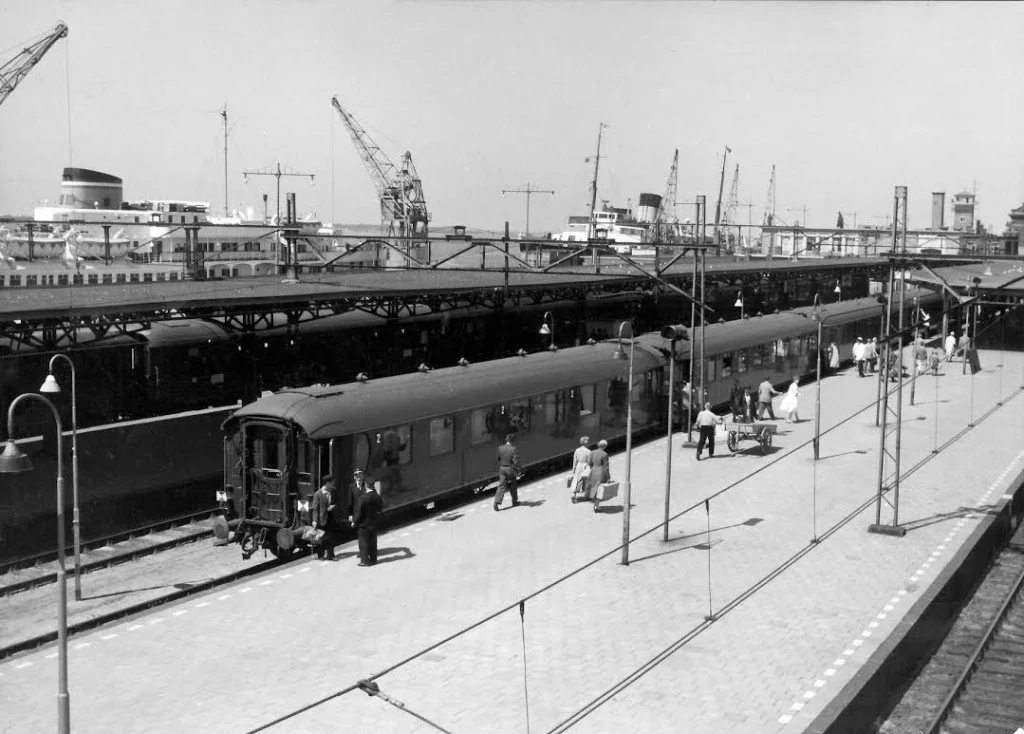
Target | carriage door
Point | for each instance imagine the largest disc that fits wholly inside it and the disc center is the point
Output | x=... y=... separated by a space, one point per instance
x=232 y=494
x=304 y=468
x=266 y=488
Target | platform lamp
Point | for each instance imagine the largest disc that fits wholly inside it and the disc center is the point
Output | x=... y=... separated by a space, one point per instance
x=739 y=303
x=838 y=290
x=674 y=333
x=52 y=387
x=621 y=354
x=14 y=461
x=548 y=330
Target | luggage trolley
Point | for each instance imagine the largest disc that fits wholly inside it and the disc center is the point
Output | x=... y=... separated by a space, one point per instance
x=760 y=432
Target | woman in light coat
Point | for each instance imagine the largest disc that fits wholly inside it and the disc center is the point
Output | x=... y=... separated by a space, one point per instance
x=791 y=402
x=580 y=469
x=599 y=473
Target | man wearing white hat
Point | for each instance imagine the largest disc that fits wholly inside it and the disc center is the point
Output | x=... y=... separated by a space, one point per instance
x=858 y=355
x=950 y=346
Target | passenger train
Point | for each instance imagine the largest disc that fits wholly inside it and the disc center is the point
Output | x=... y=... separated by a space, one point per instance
x=428 y=435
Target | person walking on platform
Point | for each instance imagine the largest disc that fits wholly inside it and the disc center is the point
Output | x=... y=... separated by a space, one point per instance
x=580 y=469
x=791 y=402
x=765 y=391
x=599 y=471
x=706 y=422
x=323 y=520
x=858 y=355
x=871 y=353
x=833 y=357
x=368 y=509
x=950 y=346
x=963 y=345
x=508 y=472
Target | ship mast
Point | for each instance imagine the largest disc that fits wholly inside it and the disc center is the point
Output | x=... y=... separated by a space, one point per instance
x=593 y=185
x=224 y=114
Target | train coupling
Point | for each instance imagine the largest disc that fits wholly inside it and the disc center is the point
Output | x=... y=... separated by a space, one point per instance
x=252 y=542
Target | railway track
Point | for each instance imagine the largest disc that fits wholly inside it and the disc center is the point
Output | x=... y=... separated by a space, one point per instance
x=39 y=569
x=973 y=682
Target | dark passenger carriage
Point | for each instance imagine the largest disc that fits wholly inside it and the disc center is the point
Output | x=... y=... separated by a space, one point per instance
x=425 y=435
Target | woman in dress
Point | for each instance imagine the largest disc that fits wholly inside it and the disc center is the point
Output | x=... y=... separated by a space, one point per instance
x=790 y=403
x=580 y=469
x=598 y=462
x=833 y=356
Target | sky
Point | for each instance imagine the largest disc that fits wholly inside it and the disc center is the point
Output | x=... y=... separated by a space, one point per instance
x=846 y=99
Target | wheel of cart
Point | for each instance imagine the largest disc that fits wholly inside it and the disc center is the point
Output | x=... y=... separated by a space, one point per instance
x=732 y=440
x=765 y=439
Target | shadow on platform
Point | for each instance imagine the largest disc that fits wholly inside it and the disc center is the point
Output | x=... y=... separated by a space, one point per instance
x=943 y=516
x=531 y=503
x=844 y=453
x=179 y=586
x=699 y=539
x=403 y=550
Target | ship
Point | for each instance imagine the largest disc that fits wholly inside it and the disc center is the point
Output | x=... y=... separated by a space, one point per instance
x=626 y=231
x=94 y=236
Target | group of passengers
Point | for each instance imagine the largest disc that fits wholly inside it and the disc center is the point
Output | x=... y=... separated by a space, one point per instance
x=589 y=470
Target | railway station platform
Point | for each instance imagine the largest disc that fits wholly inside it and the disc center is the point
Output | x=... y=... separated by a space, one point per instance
x=797 y=628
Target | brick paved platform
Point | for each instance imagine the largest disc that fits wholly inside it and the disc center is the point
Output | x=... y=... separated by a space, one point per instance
x=795 y=622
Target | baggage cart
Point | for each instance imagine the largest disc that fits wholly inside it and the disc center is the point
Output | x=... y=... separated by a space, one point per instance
x=756 y=431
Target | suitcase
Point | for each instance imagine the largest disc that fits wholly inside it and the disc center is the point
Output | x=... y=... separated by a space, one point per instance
x=606 y=491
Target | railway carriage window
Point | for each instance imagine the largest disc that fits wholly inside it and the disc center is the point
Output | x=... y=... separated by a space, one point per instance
x=480 y=426
x=757 y=355
x=585 y=398
x=520 y=416
x=267 y=450
x=727 y=369
x=442 y=435
x=742 y=359
x=617 y=392
x=712 y=373
x=384 y=448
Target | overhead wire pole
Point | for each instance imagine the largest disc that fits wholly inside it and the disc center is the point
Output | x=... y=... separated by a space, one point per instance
x=277 y=173
x=893 y=434
x=528 y=190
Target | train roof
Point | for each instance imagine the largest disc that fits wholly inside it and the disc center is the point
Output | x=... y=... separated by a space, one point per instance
x=326 y=411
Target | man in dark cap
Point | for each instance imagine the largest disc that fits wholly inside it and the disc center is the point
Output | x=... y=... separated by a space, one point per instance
x=323 y=521
x=364 y=519
x=508 y=472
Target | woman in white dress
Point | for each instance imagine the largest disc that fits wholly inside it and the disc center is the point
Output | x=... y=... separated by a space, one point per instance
x=791 y=402
x=580 y=469
x=833 y=356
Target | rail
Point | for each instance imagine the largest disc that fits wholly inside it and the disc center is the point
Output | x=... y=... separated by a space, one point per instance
x=975 y=658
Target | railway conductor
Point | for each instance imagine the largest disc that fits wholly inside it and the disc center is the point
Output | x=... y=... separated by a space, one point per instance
x=368 y=507
x=508 y=472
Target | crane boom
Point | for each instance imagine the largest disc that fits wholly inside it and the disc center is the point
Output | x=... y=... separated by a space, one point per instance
x=400 y=190
x=664 y=228
x=13 y=71
x=769 y=203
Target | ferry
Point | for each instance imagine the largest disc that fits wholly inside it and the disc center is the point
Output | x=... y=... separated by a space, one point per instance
x=94 y=236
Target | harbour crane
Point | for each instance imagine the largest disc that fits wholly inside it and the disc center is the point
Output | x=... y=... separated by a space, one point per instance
x=732 y=205
x=666 y=223
x=14 y=70
x=769 y=202
x=403 y=208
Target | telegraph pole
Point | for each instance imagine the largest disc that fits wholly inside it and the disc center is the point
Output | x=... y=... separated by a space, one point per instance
x=529 y=190
x=277 y=173
x=803 y=211
x=224 y=114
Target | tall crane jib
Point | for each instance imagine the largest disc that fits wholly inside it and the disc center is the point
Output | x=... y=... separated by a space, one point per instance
x=14 y=70
x=403 y=207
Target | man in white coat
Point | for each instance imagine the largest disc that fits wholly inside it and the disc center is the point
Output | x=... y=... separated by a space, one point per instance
x=950 y=346
x=858 y=355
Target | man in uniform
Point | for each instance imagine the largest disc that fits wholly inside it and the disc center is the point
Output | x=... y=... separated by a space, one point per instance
x=355 y=491
x=368 y=507
x=508 y=472
x=323 y=507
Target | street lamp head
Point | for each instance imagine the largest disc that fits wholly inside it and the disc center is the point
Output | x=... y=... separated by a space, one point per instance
x=739 y=302
x=544 y=329
x=50 y=385
x=838 y=288
x=13 y=460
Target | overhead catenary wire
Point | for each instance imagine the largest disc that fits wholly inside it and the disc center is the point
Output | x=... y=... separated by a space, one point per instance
x=547 y=587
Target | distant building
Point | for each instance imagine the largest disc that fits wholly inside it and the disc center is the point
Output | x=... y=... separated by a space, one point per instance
x=784 y=241
x=1015 y=227
x=963 y=212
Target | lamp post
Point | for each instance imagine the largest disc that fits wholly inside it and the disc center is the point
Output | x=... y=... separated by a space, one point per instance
x=619 y=354
x=673 y=333
x=739 y=303
x=838 y=290
x=14 y=461
x=51 y=386
x=545 y=329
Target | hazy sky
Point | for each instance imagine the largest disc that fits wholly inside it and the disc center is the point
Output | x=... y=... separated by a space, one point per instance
x=846 y=99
